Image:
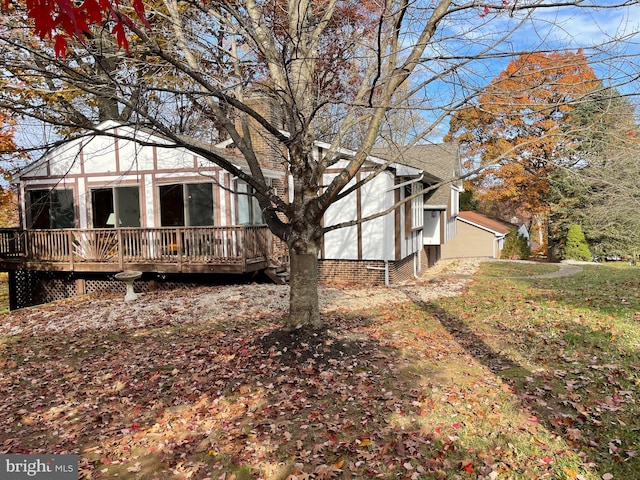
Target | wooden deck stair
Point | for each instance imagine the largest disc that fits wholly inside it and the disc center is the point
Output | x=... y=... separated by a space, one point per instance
x=279 y=274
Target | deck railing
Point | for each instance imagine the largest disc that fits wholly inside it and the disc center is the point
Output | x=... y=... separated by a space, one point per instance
x=215 y=245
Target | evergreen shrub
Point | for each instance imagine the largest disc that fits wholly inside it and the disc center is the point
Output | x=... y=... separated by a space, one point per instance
x=575 y=246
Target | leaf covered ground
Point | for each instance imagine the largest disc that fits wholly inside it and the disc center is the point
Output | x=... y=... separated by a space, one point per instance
x=483 y=378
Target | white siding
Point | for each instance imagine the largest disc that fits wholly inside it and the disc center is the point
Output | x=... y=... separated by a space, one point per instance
x=341 y=244
x=431 y=234
x=377 y=234
x=98 y=155
x=82 y=204
x=62 y=161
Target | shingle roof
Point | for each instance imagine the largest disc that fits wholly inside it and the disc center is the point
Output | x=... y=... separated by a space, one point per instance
x=493 y=224
x=439 y=161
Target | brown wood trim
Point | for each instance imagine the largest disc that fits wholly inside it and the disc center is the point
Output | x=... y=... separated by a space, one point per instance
x=142 y=187
x=227 y=193
x=130 y=182
x=156 y=201
x=116 y=175
x=359 y=217
x=195 y=178
x=218 y=193
x=116 y=150
x=398 y=225
x=155 y=158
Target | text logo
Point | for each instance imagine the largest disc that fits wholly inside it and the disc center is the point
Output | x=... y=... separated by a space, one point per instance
x=43 y=467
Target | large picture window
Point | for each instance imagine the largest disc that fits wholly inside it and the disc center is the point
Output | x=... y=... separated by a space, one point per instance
x=189 y=204
x=51 y=208
x=115 y=207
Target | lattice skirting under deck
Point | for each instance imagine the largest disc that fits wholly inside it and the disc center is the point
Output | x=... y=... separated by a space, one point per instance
x=28 y=287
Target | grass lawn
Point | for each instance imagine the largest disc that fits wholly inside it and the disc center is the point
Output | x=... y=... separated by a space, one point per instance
x=519 y=378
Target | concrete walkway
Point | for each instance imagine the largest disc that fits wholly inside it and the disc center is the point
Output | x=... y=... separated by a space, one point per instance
x=565 y=269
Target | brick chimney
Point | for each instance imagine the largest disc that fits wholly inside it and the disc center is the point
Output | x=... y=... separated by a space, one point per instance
x=271 y=154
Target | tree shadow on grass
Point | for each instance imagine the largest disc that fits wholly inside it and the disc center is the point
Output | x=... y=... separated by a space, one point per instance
x=547 y=412
x=584 y=403
x=199 y=401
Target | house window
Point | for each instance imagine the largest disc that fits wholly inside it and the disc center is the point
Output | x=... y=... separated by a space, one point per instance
x=186 y=204
x=249 y=211
x=51 y=208
x=115 y=207
x=414 y=208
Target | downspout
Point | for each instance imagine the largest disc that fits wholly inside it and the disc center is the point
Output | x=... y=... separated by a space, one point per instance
x=385 y=235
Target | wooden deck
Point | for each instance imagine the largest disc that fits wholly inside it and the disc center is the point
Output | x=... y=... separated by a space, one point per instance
x=237 y=249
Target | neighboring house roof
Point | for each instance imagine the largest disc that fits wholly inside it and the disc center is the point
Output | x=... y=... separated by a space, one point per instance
x=498 y=227
x=440 y=161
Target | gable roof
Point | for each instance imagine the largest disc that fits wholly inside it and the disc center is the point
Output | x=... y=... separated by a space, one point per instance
x=440 y=162
x=136 y=134
x=493 y=225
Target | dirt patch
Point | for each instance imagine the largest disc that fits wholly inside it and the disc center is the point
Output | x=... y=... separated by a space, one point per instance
x=319 y=347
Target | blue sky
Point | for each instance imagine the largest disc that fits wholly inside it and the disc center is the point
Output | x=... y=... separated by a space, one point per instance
x=610 y=39
x=549 y=28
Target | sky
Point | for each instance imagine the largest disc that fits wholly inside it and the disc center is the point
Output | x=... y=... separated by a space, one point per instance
x=610 y=39
x=616 y=60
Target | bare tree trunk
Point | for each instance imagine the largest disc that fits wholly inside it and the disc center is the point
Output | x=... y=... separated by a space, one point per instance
x=304 y=311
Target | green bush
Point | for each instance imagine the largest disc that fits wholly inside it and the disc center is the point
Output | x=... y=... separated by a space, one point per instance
x=576 y=247
x=516 y=246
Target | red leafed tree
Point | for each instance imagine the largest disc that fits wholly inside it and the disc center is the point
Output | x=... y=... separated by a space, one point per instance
x=61 y=19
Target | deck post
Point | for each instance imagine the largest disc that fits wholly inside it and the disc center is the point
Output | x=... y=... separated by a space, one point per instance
x=179 y=247
x=243 y=246
x=27 y=245
x=120 y=249
x=71 y=251
x=81 y=286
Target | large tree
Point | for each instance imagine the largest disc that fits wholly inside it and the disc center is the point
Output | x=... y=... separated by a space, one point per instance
x=601 y=192
x=397 y=55
x=514 y=131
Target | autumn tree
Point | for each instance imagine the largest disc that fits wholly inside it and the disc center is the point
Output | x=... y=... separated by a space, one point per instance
x=9 y=156
x=287 y=52
x=78 y=81
x=514 y=130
